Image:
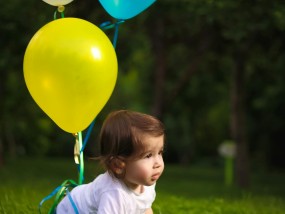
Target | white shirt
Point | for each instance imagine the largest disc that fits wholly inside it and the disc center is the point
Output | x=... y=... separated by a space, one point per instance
x=107 y=195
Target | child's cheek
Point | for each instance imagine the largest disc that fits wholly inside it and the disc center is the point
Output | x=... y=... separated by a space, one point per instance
x=142 y=173
x=141 y=170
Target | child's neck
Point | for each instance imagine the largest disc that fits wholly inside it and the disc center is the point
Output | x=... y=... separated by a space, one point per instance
x=136 y=188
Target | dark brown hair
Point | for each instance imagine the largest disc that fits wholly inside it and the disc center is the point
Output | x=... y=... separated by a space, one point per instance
x=122 y=133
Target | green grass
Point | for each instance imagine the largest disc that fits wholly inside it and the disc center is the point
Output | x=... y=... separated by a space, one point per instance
x=181 y=189
x=201 y=190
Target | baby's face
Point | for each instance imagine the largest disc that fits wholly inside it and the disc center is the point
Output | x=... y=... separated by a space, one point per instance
x=147 y=169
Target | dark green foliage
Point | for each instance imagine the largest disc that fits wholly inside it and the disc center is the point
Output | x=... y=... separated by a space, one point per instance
x=196 y=42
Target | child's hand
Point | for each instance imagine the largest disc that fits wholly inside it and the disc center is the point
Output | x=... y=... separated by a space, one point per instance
x=149 y=211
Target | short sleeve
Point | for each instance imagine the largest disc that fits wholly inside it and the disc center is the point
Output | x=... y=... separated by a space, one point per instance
x=112 y=202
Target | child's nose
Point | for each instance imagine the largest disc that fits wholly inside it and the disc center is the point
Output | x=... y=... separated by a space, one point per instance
x=158 y=161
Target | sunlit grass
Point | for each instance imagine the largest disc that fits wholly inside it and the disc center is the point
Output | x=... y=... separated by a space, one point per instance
x=200 y=189
x=182 y=189
x=170 y=204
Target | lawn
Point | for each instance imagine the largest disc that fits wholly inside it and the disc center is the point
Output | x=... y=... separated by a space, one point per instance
x=194 y=189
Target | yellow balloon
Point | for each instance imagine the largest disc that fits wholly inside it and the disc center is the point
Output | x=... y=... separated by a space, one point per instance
x=70 y=69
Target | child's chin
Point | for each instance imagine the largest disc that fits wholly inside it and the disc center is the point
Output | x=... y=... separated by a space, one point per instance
x=152 y=182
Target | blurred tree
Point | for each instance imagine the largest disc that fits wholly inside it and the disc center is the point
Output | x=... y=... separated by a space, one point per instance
x=15 y=34
x=217 y=35
x=211 y=70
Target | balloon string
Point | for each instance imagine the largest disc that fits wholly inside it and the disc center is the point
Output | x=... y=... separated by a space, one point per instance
x=108 y=25
x=60 y=192
x=115 y=39
x=72 y=202
x=60 y=10
x=81 y=159
x=78 y=156
x=55 y=15
x=55 y=191
x=87 y=135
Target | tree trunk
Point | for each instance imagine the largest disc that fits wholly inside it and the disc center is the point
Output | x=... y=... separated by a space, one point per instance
x=2 y=81
x=238 y=124
x=1 y=151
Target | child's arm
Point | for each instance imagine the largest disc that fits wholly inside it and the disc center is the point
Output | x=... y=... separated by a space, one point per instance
x=149 y=211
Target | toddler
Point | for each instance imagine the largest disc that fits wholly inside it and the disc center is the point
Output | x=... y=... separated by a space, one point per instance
x=131 y=148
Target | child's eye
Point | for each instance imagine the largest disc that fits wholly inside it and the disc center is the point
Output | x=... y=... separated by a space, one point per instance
x=161 y=152
x=148 y=156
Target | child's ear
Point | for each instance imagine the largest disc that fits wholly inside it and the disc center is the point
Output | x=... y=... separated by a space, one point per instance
x=118 y=166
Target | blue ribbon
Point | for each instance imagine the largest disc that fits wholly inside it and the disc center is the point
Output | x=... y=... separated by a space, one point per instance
x=54 y=192
x=72 y=202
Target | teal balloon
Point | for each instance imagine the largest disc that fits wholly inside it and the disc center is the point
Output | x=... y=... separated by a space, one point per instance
x=125 y=9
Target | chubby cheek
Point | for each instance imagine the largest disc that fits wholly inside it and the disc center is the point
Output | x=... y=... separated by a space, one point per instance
x=139 y=172
x=143 y=173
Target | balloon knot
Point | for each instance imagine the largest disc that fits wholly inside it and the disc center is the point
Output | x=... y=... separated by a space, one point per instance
x=60 y=8
x=108 y=25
